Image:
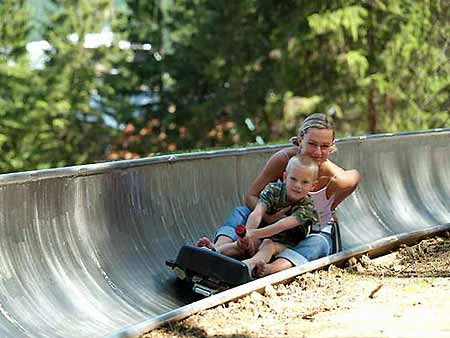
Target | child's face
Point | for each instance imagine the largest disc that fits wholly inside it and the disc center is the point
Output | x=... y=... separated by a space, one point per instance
x=299 y=182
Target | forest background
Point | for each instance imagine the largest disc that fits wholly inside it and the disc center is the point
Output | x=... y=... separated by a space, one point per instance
x=177 y=75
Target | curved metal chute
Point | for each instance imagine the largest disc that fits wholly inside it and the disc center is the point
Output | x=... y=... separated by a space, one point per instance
x=82 y=249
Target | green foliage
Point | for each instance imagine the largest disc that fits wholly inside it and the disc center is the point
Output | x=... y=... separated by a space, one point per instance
x=215 y=73
x=49 y=120
x=416 y=69
x=72 y=76
x=15 y=92
x=393 y=61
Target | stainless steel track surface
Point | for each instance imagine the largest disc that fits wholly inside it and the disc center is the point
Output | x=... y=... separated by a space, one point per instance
x=82 y=249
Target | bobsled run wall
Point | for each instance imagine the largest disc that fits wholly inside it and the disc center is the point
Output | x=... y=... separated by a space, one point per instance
x=82 y=249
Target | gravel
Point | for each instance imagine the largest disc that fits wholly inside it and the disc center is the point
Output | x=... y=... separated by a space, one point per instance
x=403 y=294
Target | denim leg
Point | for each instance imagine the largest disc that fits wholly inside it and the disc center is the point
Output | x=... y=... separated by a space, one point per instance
x=238 y=216
x=314 y=246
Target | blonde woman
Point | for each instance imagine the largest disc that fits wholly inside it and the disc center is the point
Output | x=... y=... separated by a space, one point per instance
x=315 y=139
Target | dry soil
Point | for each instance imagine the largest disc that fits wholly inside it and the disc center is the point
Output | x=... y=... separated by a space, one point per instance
x=403 y=294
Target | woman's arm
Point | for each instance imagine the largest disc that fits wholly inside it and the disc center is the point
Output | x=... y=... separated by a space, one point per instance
x=341 y=182
x=272 y=171
x=346 y=179
x=343 y=179
x=273 y=229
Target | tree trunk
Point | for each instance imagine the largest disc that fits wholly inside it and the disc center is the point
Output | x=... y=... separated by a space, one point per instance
x=372 y=111
x=371 y=107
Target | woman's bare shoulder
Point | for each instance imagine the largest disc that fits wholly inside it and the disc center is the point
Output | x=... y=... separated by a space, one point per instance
x=275 y=166
x=272 y=171
x=281 y=157
x=285 y=153
x=330 y=169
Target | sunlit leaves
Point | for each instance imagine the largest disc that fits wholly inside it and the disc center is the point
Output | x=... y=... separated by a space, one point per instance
x=355 y=62
x=213 y=73
x=348 y=19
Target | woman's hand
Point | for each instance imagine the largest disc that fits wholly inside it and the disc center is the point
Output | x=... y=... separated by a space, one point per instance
x=270 y=219
x=321 y=182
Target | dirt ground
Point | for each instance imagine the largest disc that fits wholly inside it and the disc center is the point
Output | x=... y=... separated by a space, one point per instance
x=403 y=294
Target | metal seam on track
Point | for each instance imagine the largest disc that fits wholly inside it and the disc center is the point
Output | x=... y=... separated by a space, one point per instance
x=374 y=249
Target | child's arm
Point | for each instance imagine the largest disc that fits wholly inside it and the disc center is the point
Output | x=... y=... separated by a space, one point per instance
x=255 y=217
x=248 y=244
x=273 y=229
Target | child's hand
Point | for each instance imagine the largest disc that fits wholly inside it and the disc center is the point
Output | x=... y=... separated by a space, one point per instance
x=248 y=243
x=240 y=230
x=243 y=243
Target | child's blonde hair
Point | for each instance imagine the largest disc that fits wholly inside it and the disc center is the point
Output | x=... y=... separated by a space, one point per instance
x=303 y=161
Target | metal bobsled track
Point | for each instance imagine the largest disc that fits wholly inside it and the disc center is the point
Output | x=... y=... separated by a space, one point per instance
x=82 y=249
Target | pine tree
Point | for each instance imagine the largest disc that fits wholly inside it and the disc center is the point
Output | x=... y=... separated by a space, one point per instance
x=16 y=87
x=75 y=130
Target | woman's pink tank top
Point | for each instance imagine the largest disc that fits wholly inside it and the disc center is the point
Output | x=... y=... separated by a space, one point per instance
x=323 y=206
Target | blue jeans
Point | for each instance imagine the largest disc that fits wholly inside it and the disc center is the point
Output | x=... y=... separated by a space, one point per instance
x=238 y=216
x=316 y=245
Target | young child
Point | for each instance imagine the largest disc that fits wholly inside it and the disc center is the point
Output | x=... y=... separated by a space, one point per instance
x=298 y=179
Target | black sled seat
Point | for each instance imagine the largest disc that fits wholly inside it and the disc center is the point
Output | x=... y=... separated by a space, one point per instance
x=208 y=271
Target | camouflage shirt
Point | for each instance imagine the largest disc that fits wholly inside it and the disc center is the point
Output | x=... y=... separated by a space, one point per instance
x=274 y=197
